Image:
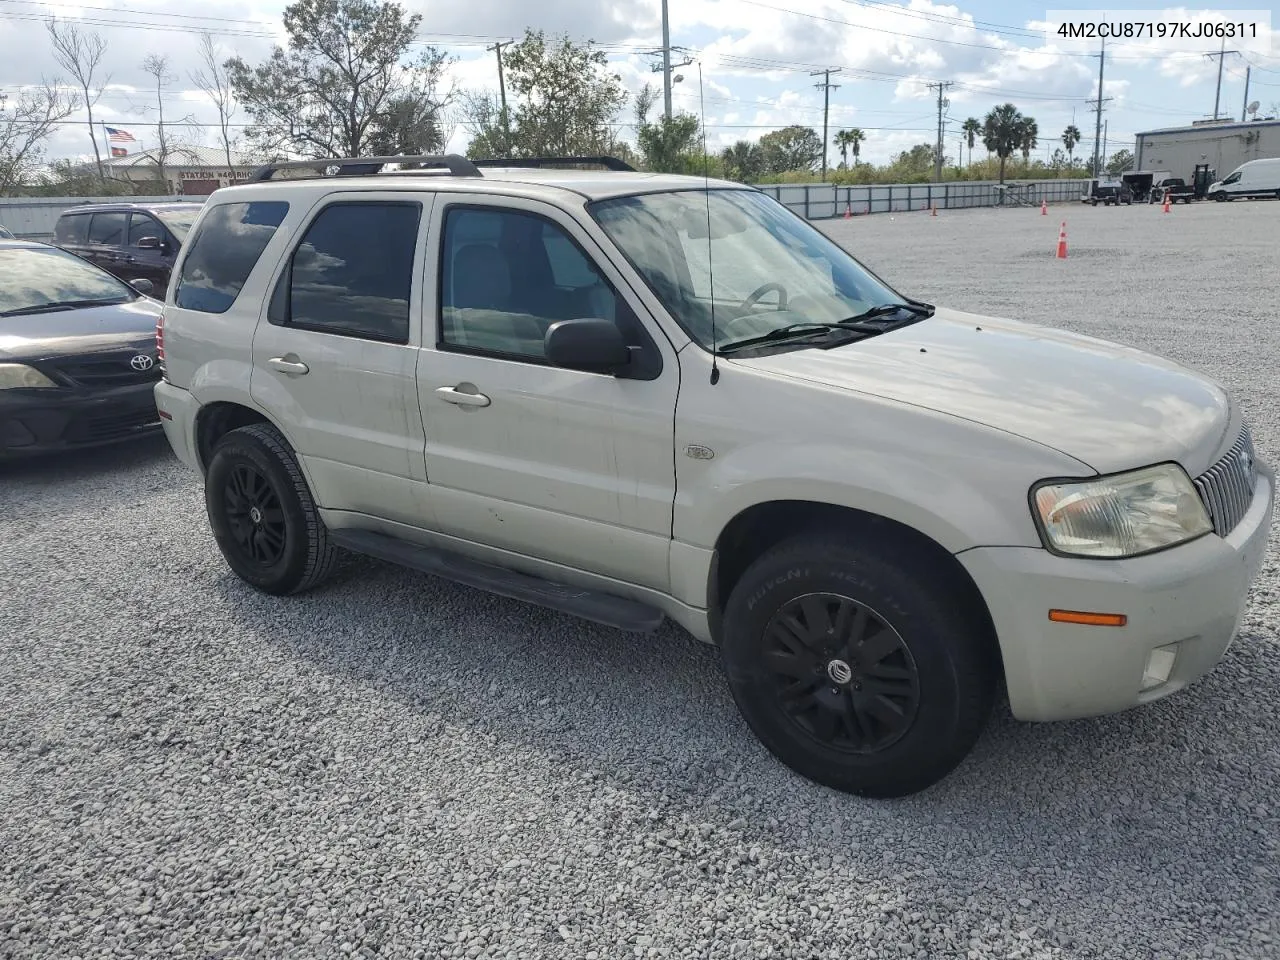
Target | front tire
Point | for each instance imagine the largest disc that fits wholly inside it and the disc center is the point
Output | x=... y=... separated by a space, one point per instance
x=262 y=514
x=861 y=672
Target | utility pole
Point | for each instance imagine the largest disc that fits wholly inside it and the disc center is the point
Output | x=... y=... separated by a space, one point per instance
x=1221 y=55
x=1244 y=109
x=826 y=86
x=666 y=62
x=937 y=161
x=1097 y=125
x=1104 y=140
x=502 y=93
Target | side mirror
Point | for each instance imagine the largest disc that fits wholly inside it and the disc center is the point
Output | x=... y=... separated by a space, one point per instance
x=143 y=286
x=149 y=243
x=595 y=346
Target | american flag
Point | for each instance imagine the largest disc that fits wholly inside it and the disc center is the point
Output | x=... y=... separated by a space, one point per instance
x=115 y=135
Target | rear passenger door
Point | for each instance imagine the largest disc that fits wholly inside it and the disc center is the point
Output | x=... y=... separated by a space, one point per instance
x=335 y=357
x=106 y=241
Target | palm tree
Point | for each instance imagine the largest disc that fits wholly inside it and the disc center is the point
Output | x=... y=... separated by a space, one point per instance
x=850 y=140
x=972 y=129
x=1071 y=137
x=1027 y=142
x=1002 y=132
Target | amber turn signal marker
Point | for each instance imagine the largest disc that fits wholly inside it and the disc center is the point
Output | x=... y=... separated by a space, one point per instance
x=1090 y=619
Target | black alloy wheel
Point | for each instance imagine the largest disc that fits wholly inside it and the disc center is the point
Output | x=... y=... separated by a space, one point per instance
x=842 y=674
x=254 y=515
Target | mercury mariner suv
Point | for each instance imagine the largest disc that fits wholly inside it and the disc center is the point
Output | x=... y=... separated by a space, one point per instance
x=630 y=397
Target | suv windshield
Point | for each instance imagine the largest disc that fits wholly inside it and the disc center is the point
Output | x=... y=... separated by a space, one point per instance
x=769 y=268
x=33 y=279
x=179 y=220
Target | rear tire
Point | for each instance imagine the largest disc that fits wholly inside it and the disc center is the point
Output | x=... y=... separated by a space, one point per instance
x=859 y=671
x=262 y=514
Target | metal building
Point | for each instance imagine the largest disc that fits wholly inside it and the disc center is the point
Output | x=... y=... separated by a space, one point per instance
x=1223 y=145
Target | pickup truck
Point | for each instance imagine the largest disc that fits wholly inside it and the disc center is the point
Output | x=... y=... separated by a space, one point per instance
x=1177 y=188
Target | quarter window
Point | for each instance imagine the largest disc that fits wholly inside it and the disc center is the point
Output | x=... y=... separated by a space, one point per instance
x=228 y=244
x=506 y=276
x=107 y=229
x=73 y=228
x=353 y=272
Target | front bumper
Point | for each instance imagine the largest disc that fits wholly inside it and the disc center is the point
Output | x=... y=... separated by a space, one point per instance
x=1188 y=599
x=55 y=419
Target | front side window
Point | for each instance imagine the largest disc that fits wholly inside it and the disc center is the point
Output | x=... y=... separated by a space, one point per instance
x=107 y=229
x=36 y=279
x=1234 y=178
x=224 y=252
x=71 y=228
x=742 y=255
x=506 y=276
x=353 y=272
x=140 y=225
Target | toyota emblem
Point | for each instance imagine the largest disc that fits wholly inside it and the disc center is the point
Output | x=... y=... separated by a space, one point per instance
x=141 y=362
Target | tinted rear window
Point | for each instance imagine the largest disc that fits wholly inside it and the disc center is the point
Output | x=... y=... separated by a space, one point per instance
x=71 y=228
x=225 y=249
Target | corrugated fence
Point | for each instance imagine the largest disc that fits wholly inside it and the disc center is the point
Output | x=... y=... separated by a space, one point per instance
x=820 y=201
x=33 y=218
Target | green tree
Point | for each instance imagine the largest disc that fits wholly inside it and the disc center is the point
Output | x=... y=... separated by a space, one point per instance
x=849 y=141
x=972 y=129
x=1028 y=139
x=744 y=161
x=26 y=123
x=1070 y=138
x=671 y=144
x=567 y=99
x=791 y=148
x=1120 y=161
x=342 y=82
x=1002 y=132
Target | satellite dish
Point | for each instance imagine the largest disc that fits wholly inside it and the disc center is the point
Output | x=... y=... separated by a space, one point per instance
x=1253 y=107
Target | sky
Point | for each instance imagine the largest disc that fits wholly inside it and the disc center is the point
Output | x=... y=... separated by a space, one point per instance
x=756 y=59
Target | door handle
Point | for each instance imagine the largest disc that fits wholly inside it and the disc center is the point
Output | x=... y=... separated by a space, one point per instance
x=294 y=368
x=455 y=396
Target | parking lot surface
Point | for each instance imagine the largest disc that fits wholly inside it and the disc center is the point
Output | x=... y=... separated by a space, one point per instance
x=395 y=766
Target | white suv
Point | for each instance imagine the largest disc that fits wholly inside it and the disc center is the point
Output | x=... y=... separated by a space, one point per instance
x=630 y=396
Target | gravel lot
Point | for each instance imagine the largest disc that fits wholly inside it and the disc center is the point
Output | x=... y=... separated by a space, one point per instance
x=394 y=766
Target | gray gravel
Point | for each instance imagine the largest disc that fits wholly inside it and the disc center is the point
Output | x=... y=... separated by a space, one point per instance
x=394 y=766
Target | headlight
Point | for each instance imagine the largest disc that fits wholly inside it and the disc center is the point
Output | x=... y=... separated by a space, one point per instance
x=1123 y=515
x=20 y=375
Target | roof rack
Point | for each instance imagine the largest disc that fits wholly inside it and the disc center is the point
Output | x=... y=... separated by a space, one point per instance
x=366 y=166
x=609 y=163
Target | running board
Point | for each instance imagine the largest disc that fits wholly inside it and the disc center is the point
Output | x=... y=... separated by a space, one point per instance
x=605 y=608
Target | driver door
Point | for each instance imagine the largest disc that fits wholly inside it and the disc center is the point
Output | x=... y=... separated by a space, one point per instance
x=562 y=466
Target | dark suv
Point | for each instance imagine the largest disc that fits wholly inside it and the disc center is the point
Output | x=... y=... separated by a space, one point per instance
x=131 y=240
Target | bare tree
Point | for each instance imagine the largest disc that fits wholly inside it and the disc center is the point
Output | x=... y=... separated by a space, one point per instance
x=215 y=82
x=25 y=124
x=157 y=65
x=80 y=55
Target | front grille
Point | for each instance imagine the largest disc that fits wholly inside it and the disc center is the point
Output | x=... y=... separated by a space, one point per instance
x=114 y=369
x=1227 y=487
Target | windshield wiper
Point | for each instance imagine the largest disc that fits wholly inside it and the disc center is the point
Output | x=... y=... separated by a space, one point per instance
x=61 y=305
x=913 y=307
x=792 y=331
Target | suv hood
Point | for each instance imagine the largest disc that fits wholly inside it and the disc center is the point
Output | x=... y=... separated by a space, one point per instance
x=1111 y=407
x=83 y=330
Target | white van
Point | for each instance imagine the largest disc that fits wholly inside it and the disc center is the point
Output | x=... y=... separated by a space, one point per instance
x=1257 y=178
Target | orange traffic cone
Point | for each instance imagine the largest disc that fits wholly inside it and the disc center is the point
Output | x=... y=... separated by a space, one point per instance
x=933 y=210
x=1166 y=201
x=1044 y=208
x=1062 y=241
x=848 y=211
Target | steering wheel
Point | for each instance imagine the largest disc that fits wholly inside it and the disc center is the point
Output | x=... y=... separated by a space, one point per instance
x=754 y=297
